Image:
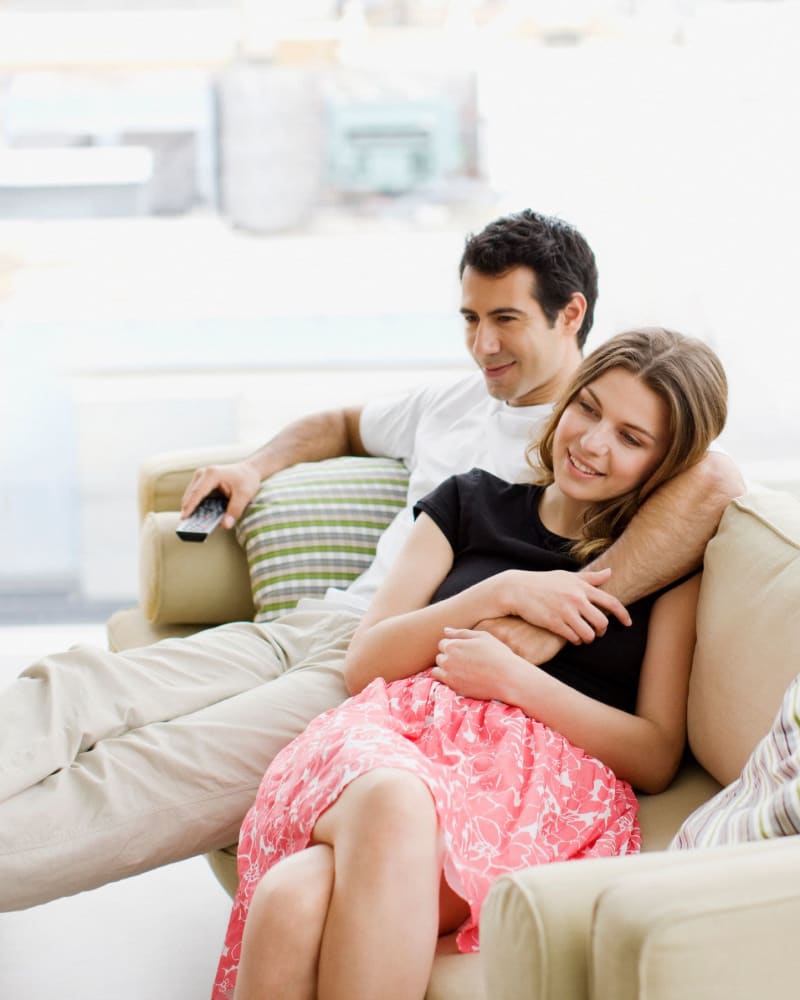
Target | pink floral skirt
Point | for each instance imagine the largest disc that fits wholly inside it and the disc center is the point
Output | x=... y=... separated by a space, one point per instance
x=509 y=792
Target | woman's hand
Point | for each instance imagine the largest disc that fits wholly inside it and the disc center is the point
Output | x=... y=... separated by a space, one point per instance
x=477 y=665
x=570 y=605
x=239 y=481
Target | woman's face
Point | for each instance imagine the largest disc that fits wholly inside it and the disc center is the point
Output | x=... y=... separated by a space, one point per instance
x=610 y=438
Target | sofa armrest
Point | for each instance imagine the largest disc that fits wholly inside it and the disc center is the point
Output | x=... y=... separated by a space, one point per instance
x=163 y=477
x=183 y=583
x=725 y=927
x=541 y=928
x=191 y=583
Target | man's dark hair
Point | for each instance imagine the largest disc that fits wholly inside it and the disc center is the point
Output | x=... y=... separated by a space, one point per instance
x=559 y=255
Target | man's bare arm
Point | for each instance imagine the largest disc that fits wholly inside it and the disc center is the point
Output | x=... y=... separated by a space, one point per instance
x=663 y=542
x=532 y=643
x=668 y=535
x=309 y=439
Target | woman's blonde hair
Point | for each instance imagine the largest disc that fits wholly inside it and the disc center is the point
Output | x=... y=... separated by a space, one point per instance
x=682 y=371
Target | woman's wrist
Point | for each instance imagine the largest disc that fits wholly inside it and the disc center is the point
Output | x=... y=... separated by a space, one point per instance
x=495 y=600
x=505 y=587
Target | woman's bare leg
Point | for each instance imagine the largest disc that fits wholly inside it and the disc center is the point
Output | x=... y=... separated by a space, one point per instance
x=283 y=930
x=383 y=919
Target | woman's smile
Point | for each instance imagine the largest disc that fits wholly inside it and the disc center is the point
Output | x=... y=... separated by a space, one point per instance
x=582 y=467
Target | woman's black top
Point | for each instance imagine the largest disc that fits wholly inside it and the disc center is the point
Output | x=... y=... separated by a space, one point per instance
x=492 y=526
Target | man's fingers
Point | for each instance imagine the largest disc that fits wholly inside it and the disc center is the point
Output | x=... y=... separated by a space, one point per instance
x=213 y=477
x=595 y=578
x=612 y=605
x=234 y=511
x=200 y=485
x=192 y=496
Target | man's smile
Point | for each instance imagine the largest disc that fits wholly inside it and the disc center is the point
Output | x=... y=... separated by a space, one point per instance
x=494 y=371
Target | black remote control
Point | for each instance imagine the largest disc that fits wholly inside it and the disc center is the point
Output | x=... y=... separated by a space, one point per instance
x=204 y=518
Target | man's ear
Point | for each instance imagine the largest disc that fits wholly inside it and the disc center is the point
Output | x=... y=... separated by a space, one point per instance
x=573 y=312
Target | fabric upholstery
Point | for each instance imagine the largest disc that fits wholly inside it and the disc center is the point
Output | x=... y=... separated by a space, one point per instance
x=662 y=814
x=648 y=925
x=748 y=630
x=190 y=583
x=717 y=925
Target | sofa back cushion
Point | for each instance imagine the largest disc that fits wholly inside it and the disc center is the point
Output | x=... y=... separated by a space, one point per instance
x=748 y=630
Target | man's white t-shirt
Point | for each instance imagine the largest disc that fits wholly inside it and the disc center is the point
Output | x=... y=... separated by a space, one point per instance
x=438 y=432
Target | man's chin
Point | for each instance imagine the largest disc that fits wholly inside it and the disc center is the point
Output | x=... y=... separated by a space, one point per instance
x=499 y=390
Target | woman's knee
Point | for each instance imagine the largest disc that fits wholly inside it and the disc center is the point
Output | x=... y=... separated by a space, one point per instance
x=383 y=805
x=295 y=892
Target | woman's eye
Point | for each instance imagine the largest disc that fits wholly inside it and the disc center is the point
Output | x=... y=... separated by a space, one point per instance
x=630 y=439
x=586 y=407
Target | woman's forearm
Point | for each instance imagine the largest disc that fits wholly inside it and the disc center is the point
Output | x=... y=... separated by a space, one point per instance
x=404 y=644
x=636 y=749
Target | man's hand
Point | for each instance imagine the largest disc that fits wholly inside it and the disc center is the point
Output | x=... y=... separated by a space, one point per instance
x=570 y=605
x=476 y=665
x=534 y=644
x=239 y=481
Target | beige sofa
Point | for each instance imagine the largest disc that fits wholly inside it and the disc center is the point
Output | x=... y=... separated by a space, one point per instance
x=704 y=923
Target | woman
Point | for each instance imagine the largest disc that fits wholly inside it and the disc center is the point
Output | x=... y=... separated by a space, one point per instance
x=379 y=831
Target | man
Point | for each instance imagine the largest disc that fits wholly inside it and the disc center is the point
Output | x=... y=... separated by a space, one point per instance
x=111 y=764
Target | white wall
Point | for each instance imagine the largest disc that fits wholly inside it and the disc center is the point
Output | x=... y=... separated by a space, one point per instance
x=680 y=164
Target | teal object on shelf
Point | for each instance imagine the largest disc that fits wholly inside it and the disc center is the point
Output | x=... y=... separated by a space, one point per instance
x=390 y=145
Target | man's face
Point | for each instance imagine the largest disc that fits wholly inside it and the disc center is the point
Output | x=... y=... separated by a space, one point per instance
x=523 y=357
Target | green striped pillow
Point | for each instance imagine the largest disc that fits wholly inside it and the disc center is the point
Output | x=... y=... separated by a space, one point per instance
x=316 y=525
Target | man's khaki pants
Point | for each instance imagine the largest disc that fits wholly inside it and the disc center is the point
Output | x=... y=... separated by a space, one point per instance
x=115 y=763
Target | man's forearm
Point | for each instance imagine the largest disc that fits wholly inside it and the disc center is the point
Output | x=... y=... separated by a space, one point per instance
x=310 y=439
x=668 y=535
x=534 y=644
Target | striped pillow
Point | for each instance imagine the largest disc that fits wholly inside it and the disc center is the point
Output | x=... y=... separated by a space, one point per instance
x=764 y=801
x=316 y=525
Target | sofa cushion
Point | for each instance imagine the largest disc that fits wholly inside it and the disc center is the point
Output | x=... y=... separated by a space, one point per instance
x=316 y=525
x=764 y=801
x=661 y=815
x=748 y=630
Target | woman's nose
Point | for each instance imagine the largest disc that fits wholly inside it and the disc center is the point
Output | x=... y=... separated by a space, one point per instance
x=595 y=439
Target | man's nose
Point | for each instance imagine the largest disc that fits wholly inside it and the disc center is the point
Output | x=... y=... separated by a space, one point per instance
x=486 y=340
